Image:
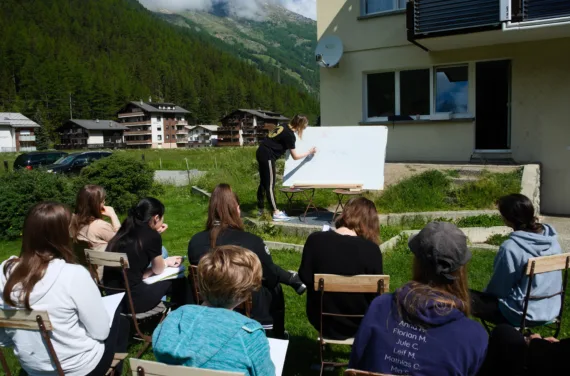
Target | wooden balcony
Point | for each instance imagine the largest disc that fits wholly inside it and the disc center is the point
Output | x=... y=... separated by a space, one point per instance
x=131 y=123
x=182 y=131
x=182 y=122
x=130 y=114
x=139 y=142
x=138 y=133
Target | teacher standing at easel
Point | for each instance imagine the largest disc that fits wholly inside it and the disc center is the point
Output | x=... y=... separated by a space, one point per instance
x=279 y=140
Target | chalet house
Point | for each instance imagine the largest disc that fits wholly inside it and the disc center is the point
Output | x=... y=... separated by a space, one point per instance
x=202 y=135
x=456 y=81
x=255 y=125
x=154 y=125
x=17 y=132
x=90 y=134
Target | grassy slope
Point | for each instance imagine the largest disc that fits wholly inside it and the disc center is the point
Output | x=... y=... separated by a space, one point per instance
x=186 y=214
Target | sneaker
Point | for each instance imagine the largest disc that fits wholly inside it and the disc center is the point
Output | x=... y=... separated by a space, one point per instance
x=296 y=283
x=280 y=216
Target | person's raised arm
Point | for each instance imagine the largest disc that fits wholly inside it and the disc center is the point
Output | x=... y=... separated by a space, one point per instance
x=108 y=211
x=296 y=155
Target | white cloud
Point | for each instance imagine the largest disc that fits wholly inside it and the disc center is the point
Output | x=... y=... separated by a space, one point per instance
x=242 y=8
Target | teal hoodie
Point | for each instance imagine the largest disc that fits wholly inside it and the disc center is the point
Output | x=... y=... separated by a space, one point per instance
x=213 y=338
x=509 y=281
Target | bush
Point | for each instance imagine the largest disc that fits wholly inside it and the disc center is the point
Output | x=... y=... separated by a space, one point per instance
x=497 y=239
x=125 y=179
x=23 y=189
x=481 y=221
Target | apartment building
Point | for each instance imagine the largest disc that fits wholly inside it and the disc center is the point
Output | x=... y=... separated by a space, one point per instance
x=154 y=125
x=90 y=134
x=17 y=132
x=456 y=81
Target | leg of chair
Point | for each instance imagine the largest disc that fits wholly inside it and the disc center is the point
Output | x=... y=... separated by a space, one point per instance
x=4 y=363
x=310 y=196
x=339 y=205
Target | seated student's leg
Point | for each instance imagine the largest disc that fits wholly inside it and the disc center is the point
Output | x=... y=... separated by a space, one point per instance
x=181 y=292
x=486 y=307
x=506 y=354
x=146 y=297
x=277 y=311
x=116 y=342
x=290 y=279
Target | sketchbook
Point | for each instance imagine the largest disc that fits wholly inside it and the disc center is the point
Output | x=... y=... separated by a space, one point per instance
x=278 y=350
x=168 y=273
x=111 y=303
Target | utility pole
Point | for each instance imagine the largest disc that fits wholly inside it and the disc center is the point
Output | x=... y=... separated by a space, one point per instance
x=70 y=108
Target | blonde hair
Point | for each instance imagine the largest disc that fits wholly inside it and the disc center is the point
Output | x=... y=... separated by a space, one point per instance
x=228 y=275
x=298 y=124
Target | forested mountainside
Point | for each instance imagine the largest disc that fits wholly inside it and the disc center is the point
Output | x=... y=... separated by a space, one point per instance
x=100 y=54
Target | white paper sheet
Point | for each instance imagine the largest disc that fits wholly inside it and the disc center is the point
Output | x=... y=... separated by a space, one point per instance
x=278 y=351
x=168 y=273
x=111 y=303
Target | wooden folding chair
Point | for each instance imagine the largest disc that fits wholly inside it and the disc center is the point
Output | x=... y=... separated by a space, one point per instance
x=245 y=307
x=358 y=284
x=546 y=264
x=120 y=260
x=355 y=372
x=147 y=368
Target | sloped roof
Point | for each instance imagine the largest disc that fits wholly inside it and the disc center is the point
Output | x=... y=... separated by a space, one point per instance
x=264 y=114
x=160 y=107
x=211 y=128
x=98 y=124
x=17 y=120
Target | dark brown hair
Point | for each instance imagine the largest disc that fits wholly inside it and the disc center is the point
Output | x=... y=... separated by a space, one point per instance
x=360 y=215
x=228 y=274
x=222 y=212
x=45 y=237
x=518 y=211
x=88 y=205
x=427 y=286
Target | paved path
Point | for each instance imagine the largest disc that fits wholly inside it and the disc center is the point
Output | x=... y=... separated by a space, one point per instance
x=178 y=178
x=562 y=226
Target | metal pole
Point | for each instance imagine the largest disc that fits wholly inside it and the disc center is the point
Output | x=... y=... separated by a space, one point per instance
x=142 y=155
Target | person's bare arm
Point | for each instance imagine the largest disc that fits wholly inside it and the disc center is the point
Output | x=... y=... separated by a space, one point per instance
x=297 y=156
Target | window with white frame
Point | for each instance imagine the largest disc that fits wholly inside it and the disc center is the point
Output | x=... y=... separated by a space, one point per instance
x=159 y=138
x=417 y=93
x=381 y=6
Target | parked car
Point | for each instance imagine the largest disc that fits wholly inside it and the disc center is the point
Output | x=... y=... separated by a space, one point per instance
x=37 y=158
x=74 y=162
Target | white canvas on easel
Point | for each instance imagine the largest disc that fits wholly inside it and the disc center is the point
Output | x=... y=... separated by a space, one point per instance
x=345 y=155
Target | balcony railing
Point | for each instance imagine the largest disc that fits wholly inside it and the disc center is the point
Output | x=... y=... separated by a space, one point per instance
x=435 y=18
x=138 y=142
x=138 y=133
x=28 y=148
x=181 y=122
x=27 y=138
x=130 y=114
x=131 y=123
x=182 y=131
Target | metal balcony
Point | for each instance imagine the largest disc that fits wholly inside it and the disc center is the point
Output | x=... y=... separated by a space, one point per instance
x=27 y=138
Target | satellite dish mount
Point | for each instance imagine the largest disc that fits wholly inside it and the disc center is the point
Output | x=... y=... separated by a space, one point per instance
x=329 y=51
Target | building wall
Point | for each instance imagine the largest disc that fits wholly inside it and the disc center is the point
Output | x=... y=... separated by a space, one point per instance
x=95 y=137
x=6 y=137
x=157 y=127
x=540 y=114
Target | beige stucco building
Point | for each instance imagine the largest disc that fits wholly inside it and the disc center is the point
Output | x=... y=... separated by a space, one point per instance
x=468 y=80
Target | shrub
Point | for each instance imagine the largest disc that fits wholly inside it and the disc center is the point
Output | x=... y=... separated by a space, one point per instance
x=23 y=189
x=481 y=221
x=125 y=179
x=497 y=239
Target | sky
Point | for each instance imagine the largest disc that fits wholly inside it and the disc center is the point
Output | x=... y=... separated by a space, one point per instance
x=243 y=8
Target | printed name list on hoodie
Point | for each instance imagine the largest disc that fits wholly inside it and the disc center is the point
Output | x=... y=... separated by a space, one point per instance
x=403 y=357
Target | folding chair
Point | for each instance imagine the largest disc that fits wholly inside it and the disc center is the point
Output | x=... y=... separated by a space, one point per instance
x=355 y=372
x=147 y=368
x=359 y=284
x=245 y=307
x=546 y=264
x=39 y=320
x=120 y=260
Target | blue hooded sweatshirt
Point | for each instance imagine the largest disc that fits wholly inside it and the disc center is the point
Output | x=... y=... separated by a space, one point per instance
x=509 y=281
x=213 y=338
x=447 y=343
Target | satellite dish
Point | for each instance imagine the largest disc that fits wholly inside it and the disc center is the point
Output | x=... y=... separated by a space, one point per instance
x=329 y=51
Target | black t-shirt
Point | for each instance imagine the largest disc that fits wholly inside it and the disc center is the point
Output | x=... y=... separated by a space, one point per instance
x=279 y=140
x=332 y=253
x=270 y=289
x=145 y=247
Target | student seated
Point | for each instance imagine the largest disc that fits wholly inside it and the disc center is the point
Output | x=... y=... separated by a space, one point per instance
x=225 y=227
x=212 y=335
x=512 y=354
x=502 y=300
x=351 y=249
x=45 y=277
x=87 y=224
x=140 y=239
x=423 y=328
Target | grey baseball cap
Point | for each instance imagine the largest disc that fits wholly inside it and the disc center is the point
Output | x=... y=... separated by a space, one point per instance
x=443 y=246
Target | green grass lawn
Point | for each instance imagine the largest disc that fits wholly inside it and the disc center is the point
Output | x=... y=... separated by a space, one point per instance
x=186 y=215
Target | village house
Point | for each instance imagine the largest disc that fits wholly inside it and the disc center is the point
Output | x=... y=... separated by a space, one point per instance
x=456 y=81
x=202 y=135
x=254 y=124
x=90 y=134
x=17 y=132
x=154 y=125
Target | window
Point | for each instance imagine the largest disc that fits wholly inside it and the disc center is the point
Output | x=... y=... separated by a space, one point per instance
x=381 y=94
x=380 y=6
x=158 y=118
x=404 y=93
x=452 y=87
x=159 y=138
x=167 y=137
x=159 y=129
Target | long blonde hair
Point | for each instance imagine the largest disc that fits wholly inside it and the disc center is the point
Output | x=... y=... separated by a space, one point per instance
x=298 y=124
